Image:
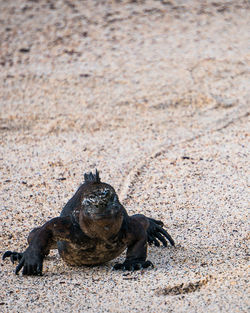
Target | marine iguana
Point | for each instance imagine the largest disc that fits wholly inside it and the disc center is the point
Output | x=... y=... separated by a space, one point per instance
x=93 y=228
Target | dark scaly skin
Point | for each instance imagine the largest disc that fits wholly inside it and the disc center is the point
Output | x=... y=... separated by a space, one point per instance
x=93 y=228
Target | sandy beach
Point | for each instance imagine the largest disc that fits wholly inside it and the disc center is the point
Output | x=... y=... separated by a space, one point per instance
x=155 y=95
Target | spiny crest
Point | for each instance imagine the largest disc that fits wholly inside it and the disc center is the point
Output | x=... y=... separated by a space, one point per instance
x=92 y=178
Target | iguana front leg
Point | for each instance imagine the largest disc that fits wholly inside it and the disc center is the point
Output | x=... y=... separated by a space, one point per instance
x=136 y=238
x=43 y=239
x=17 y=256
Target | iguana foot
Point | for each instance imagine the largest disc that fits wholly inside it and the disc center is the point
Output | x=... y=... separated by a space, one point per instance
x=13 y=255
x=156 y=233
x=132 y=265
x=30 y=261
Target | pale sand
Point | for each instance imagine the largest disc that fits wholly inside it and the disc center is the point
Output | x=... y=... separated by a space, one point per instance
x=130 y=89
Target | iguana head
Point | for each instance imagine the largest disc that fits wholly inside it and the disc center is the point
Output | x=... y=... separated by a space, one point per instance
x=101 y=212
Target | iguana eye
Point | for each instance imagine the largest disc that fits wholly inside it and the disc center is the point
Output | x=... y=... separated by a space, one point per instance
x=105 y=193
